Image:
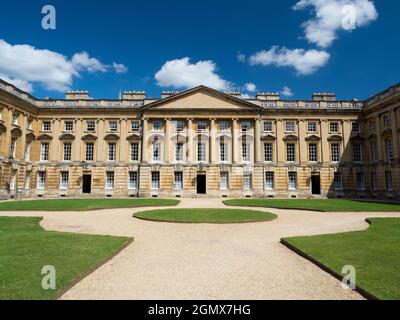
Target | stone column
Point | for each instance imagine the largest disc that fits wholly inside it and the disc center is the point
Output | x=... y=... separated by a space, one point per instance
x=168 y=145
x=101 y=146
x=302 y=149
x=77 y=155
x=145 y=141
x=394 y=134
x=324 y=144
x=190 y=144
x=280 y=143
x=213 y=137
x=257 y=142
x=379 y=150
x=235 y=141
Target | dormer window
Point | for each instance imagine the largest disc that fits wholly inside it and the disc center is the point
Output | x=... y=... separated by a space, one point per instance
x=135 y=126
x=289 y=126
x=90 y=126
x=46 y=126
x=113 y=125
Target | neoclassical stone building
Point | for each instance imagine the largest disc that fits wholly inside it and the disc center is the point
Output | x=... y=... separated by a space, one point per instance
x=199 y=142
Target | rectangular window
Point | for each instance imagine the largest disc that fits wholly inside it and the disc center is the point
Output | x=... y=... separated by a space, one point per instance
x=338 y=181
x=89 y=151
x=112 y=151
x=247 y=183
x=374 y=181
x=224 y=126
x=134 y=151
x=360 y=181
x=64 y=179
x=312 y=127
x=156 y=125
x=268 y=152
x=155 y=180
x=29 y=126
x=389 y=149
x=201 y=152
x=67 y=151
x=357 y=152
x=110 y=180
x=90 y=126
x=44 y=151
x=245 y=152
x=372 y=126
x=133 y=180
x=269 y=180
x=68 y=126
x=27 y=181
x=179 y=152
x=113 y=125
x=245 y=126
x=292 y=180
x=46 y=126
x=334 y=127
x=224 y=181
x=355 y=127
x=389 y=182
x=374 y=157
x=156 y=152
x=12 y=147
x=290 y=152
x=179 y=126
x=267 y=126
x=223 y=152
x=312 y=152
x=41 y=182
x=387 y=121
x=27 y=156
x=178 y=180
x=135 y=126
x=12 y=179
x=15 y=118
x=289 y=126
x=335 y=152
x=201 y=126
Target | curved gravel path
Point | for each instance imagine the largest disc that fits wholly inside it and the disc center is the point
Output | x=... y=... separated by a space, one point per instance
x=204 y=261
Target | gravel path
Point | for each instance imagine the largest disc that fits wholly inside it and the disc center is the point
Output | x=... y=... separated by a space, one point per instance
x=189 y=261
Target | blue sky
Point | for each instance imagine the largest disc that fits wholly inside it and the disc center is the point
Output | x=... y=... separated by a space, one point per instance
x=144 y=35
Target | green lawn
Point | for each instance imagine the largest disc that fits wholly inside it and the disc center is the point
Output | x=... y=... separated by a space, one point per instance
x=25 y=248
x=324 y=205
x=82 y=204
x=206 y=215
x=375 y=253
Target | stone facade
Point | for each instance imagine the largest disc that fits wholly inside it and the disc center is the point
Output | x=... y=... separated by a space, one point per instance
x=200 y=142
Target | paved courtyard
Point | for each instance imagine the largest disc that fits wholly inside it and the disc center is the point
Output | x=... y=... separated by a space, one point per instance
x=205 y=261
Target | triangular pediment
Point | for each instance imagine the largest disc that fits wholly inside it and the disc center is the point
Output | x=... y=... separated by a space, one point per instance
x=202 y=98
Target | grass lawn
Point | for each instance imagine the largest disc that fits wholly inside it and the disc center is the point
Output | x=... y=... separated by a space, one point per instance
x=375 y=253
x=206 y=215
x=82 y=204
x=25 y=248
x=324 y=205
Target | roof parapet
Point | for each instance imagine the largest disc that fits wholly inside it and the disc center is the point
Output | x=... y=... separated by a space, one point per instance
x=77 y=95
x=324 y=96
x=167 y=94
x=134 y=95
x=268 y=96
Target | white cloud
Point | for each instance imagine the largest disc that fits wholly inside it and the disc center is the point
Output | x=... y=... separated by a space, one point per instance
x=241 y=57
x=180 y=73
x=251 y=87
x=287 y=92
x=24 y=66
x=333 y=15
x=304 y=62
x=120 y=68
